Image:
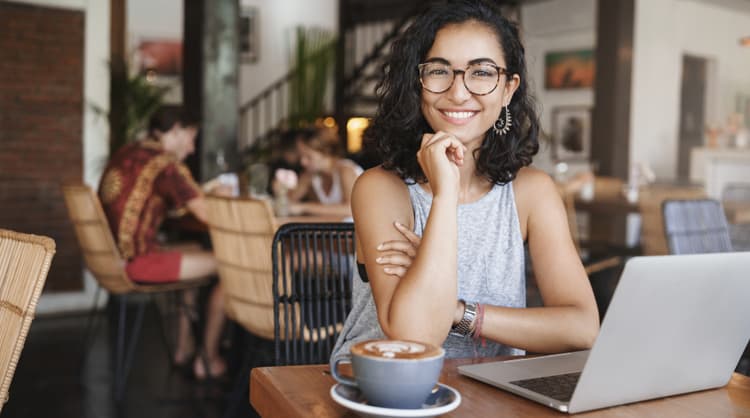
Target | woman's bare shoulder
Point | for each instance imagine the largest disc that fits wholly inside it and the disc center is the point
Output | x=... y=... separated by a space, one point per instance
x=534 y=191
x=532 y=181
x=378 y=187
x=379 y=179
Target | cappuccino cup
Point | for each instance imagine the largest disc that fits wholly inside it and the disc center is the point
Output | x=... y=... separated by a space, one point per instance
x=393 y=373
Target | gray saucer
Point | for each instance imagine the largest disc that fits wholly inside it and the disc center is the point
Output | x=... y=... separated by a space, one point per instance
x=442 y=400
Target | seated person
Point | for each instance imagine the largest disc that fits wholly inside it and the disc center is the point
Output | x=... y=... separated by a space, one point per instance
x=284 y=156
x=142 y=181
x=441 y=224
x=327 y=179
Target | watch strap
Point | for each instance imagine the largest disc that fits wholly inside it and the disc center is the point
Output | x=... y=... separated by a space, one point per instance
x=464 y=327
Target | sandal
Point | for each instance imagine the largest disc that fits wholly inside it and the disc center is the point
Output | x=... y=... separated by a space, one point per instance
x=218 y=369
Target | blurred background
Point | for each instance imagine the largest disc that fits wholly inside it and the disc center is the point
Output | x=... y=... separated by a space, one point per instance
x=652 y=93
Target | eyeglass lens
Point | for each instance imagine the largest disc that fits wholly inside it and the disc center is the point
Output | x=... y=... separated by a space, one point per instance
x=478 y=78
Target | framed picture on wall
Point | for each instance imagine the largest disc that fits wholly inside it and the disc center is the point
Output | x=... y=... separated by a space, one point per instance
x=571 y=133
x=161 y=57
x=569 y=69
x=249 y=34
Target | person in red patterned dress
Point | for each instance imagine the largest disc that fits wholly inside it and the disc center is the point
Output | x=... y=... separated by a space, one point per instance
x=142 y=182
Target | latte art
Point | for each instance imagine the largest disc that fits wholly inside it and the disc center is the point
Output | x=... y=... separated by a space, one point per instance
x=391 y=348
x=396 y=349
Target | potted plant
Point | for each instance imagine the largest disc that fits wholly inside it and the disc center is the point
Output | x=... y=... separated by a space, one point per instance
x=134 y=99
x=313 y=60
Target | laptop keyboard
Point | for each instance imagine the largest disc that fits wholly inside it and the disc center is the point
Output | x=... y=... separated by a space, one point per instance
x=559 y=387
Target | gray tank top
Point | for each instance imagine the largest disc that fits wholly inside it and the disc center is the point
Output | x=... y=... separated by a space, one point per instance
x=490 y=270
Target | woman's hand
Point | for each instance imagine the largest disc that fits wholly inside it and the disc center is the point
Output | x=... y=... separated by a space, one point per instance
x=396 y=256
x=440 y=156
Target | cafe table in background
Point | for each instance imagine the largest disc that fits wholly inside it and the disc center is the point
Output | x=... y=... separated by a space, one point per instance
x=303 y=391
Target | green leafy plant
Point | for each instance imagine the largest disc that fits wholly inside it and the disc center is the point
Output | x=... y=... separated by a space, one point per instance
x=134 y=99
x=313 y=59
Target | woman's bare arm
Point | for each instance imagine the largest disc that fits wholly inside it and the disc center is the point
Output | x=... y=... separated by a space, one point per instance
x=569 y=319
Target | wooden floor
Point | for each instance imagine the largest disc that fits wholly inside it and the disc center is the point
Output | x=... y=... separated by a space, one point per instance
x=53 y=380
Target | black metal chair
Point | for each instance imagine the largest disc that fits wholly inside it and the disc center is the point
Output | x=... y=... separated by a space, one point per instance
x=313 y=265
x=696 y=226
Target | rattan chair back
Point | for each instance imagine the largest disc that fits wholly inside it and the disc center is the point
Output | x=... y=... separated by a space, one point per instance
x=100 y=252
x=24 y=263
x=241 y=234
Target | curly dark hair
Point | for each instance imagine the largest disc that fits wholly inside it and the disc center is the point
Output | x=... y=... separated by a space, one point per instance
x=397 y=129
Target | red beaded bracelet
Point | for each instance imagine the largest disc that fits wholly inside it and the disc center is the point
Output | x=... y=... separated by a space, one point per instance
x=480 y=319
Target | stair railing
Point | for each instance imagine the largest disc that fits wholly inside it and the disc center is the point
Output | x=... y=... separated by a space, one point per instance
x=266 y=113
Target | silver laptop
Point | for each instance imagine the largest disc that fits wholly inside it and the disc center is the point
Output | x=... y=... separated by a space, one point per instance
x=675 y=324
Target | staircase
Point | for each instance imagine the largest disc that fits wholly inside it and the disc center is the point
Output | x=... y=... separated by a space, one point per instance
x=360 y=57
x=367 y=29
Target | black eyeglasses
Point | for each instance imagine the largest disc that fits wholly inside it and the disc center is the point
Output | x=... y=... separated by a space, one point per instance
x=479 y=79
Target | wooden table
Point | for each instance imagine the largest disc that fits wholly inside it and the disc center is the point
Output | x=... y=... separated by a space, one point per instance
x=309 y=219
x=737 y=212
x=190 y=223
x=303 y=391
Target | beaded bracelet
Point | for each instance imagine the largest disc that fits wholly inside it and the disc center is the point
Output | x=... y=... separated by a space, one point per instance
x=478 y=323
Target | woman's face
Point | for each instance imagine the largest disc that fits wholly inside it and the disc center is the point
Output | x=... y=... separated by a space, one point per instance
x=312 y=160
x=458 y=111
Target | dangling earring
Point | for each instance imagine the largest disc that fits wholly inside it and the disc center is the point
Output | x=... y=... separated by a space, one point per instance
x=503 y=123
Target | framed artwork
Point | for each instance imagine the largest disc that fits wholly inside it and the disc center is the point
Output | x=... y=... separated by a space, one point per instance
x=249 y=34
x=163 y=57
x=569 y=69
x=571 y=133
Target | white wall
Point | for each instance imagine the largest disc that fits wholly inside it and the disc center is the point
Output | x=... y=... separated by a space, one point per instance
x=95 y=128
x=277 y=20
x=664 y=31
x=556 y=25
x=155 y=19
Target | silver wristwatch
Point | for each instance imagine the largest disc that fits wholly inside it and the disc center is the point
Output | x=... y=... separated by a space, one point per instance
x=463 y=327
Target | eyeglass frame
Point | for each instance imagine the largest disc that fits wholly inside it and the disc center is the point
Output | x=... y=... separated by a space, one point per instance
x=500 y=71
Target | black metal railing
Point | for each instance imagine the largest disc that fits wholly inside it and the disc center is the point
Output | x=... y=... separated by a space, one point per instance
x=265 y=115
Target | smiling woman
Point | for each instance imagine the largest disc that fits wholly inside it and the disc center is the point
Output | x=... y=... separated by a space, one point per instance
x=441 y=224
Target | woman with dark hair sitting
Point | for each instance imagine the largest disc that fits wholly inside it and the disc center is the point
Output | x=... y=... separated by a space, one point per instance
x=325 y=186
x=441 y=225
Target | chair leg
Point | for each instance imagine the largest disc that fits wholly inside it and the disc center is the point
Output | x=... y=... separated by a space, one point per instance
x=238 y=395
x=119 y=344
x=124 y=359
x=162 y=328
x=240 y=388
x=91 y=327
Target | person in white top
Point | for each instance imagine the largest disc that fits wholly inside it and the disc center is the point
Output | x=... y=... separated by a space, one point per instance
x=325 y=185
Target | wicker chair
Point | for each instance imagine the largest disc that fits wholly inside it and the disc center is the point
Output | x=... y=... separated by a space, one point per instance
x=103 y=259
x=24 y=264
x=242 y=232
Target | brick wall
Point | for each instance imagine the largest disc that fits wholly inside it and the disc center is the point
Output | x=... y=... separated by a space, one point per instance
x=41 y=120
